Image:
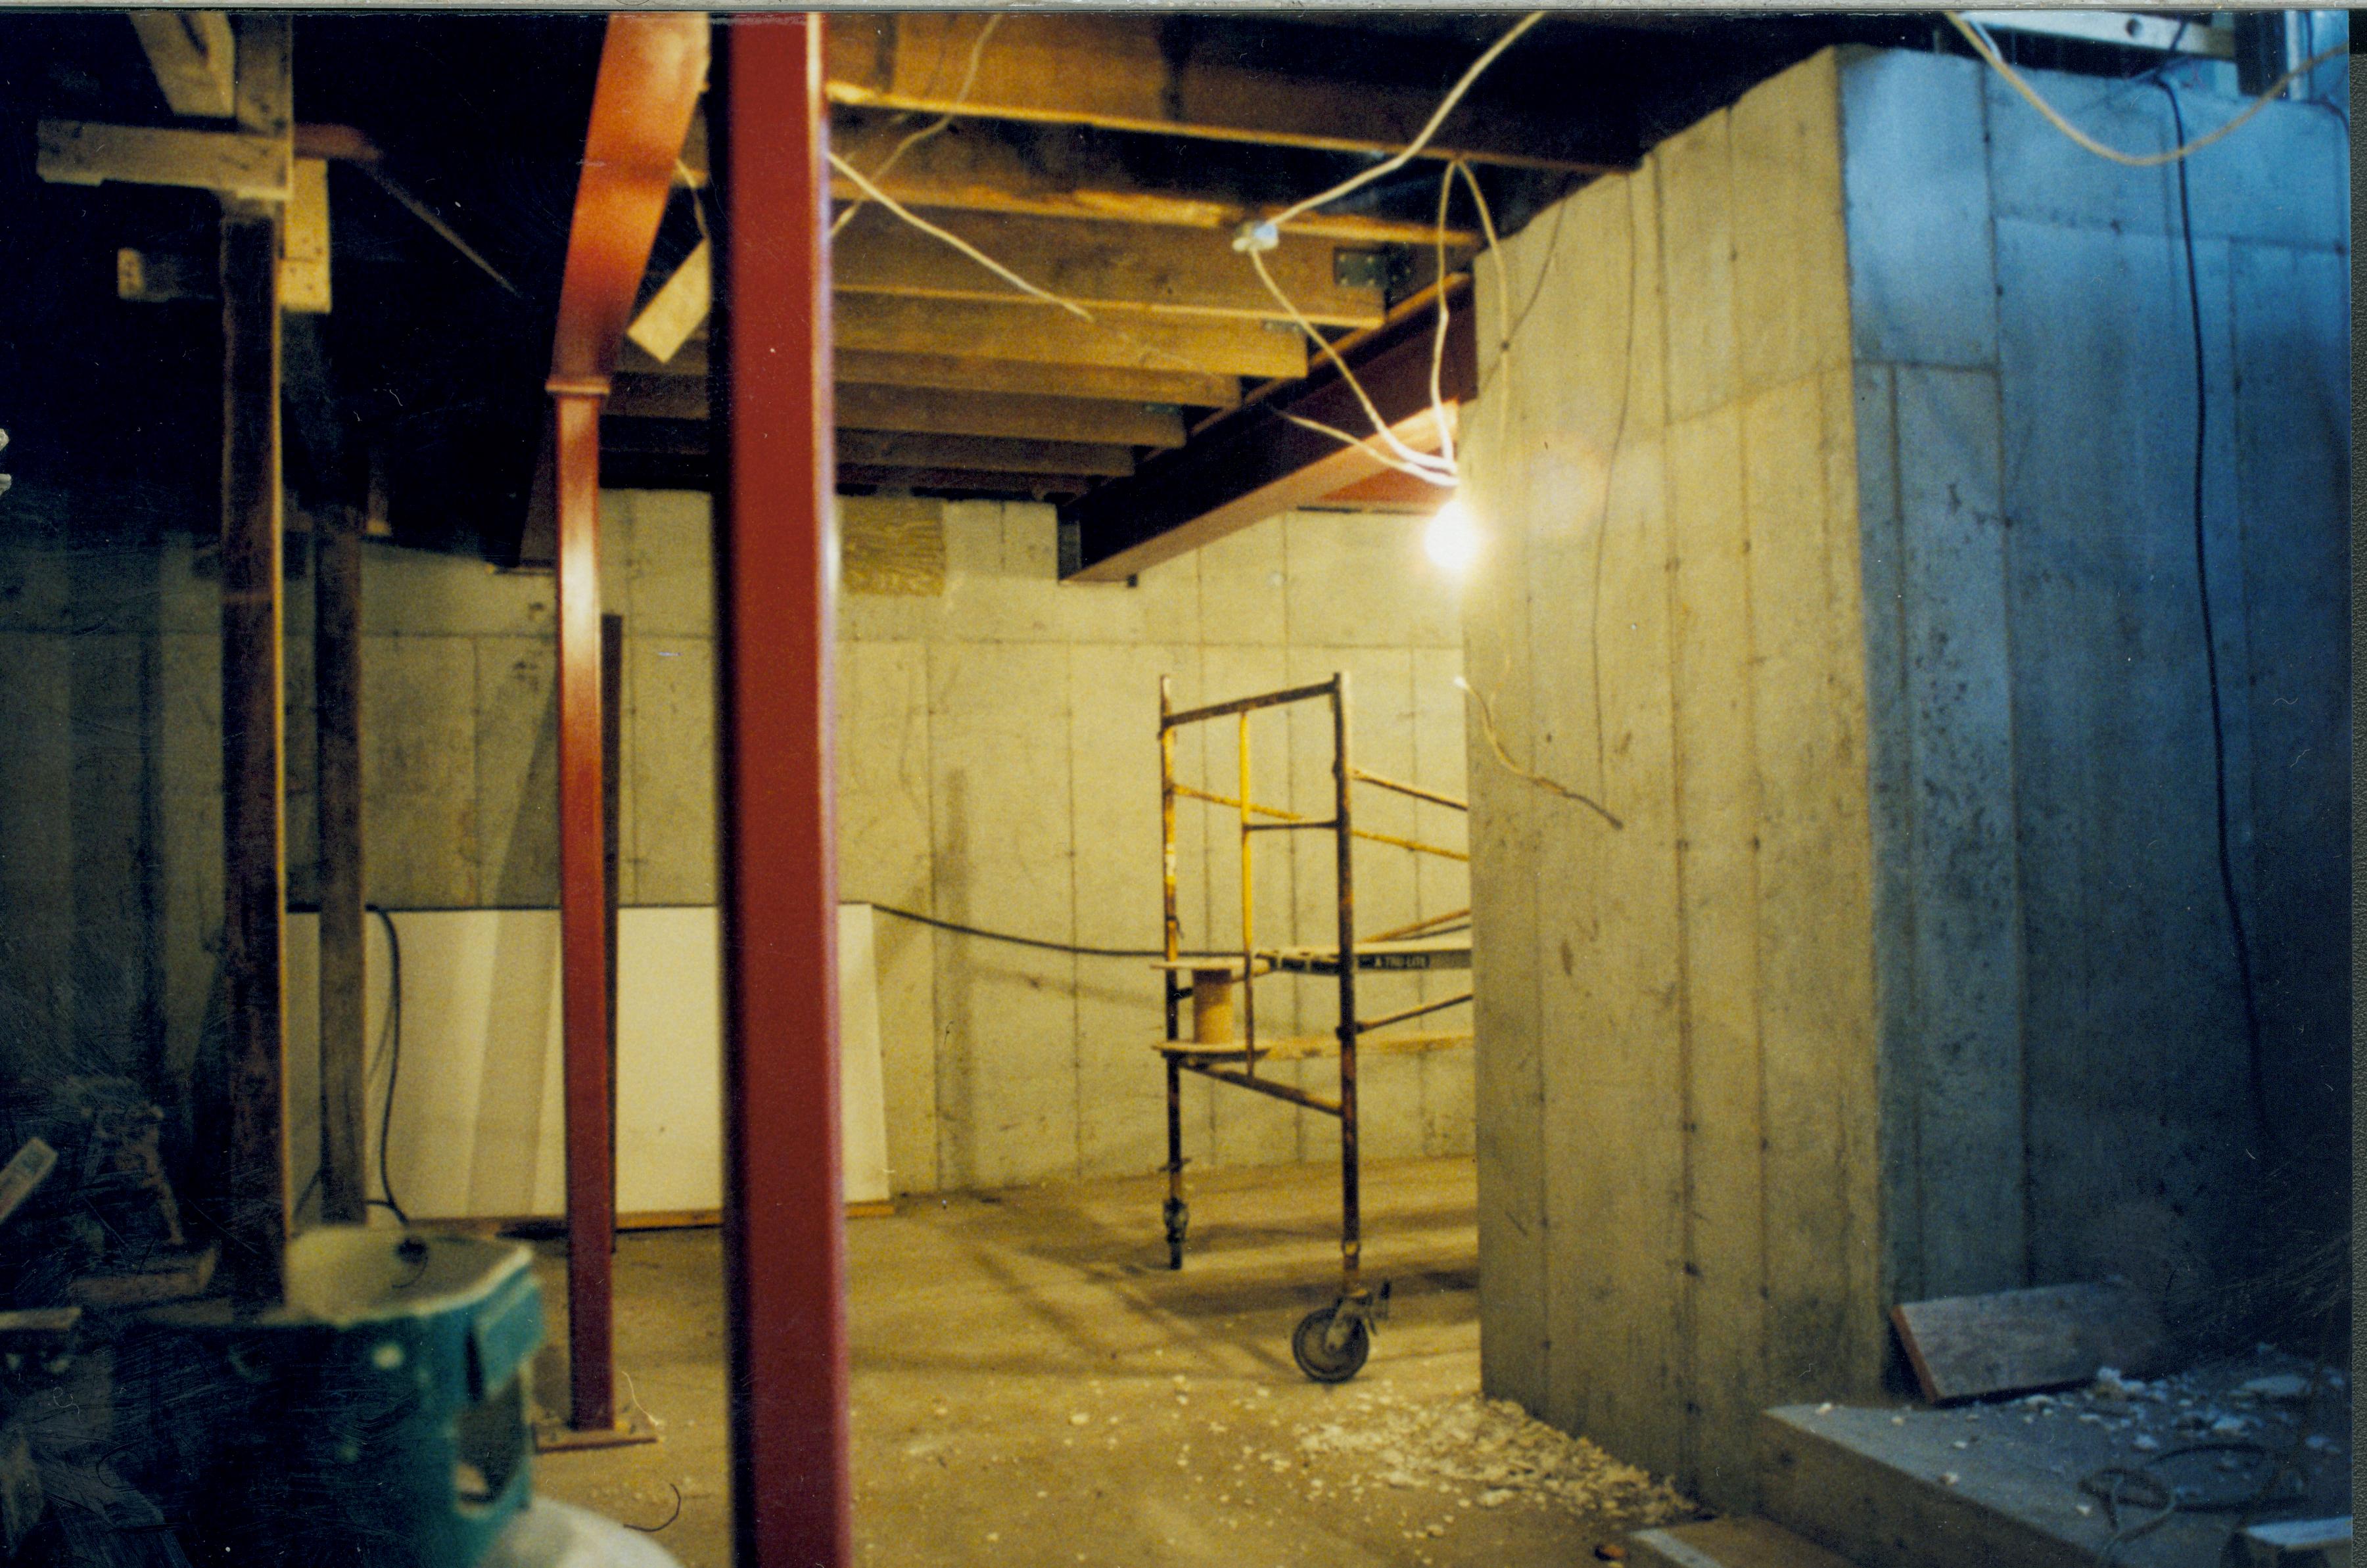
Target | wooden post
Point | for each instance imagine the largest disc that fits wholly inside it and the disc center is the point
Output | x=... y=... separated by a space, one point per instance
x=255 y=832
x=337 y=731
x=583 y=913
x=784 y=1233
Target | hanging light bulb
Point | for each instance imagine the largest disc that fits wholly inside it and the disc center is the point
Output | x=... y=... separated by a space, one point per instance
x=1451 y=540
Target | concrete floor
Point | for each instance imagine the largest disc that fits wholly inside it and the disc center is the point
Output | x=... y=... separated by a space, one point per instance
x=1032 y=1385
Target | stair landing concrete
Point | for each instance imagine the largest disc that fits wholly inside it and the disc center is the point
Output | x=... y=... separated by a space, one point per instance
x=1743 y=1541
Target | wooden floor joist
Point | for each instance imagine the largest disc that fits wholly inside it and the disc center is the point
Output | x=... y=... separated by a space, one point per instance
x=959 y=373
x=1145 y=72
x=872 y=476
x=1045 y=334
x=965 y=372
x=928 y=412
x=982 y=165
x=891 y=449
x=1140 y=266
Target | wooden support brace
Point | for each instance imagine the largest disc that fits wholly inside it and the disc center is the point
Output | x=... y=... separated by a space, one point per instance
x=337 y=689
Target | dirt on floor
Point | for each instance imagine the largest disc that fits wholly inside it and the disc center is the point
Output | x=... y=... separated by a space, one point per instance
x=1032 y=1385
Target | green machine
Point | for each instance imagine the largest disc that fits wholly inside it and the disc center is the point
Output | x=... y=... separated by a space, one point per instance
x=377 y=1417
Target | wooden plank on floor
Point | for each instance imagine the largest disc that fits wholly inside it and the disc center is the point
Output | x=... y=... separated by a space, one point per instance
x=1144 y=266
x=1135 y=73
x=1970 y=1347
x=1045 y=334
x=893 y=449
x=927 y=411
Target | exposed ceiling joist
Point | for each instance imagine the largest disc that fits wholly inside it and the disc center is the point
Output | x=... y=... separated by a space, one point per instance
x=987 y=454
x=999 y=167
x=969 y=373
x=922 y=411
x=1254 y=462
x=931 y=413
x=1159 y=73
x=1044 y=334
x=194 y=58
x=870 y=475
x=1154 y=267
x=962 y=372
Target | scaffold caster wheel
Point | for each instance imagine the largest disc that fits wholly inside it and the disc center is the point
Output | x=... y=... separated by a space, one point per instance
x=1329 y=1351
x=1178 y=1216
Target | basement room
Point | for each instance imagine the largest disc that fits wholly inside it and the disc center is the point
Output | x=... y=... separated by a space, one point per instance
x=1234 y=788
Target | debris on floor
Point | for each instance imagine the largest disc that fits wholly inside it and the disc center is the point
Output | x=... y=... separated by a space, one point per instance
x=1492 y=1452
x=2241 y=1409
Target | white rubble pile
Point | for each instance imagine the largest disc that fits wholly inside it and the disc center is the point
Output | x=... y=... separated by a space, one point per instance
x=1495 y=1447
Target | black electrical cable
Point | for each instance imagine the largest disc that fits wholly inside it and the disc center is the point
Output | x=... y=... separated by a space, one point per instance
x=961 y=930
x=2261 y=1127
x=393 y=1061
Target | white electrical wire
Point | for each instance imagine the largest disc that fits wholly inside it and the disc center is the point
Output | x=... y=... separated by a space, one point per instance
x=961 y=96
x=1986 y=49
x=1389 y=437
x=1413 y=149
x=863 y=183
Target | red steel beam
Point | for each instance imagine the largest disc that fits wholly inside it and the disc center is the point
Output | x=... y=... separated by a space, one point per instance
x=651 y=68
x=783 y=1231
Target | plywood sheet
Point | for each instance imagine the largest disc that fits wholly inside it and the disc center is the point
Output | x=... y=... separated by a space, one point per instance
x=1966 y=1347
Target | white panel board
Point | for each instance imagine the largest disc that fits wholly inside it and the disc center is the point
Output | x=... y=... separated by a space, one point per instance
x=862 y=1110
x=668 y=1061
x=479 y=1129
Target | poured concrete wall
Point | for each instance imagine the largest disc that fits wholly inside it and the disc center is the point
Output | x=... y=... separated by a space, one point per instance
x=999 y=768
x=1677 y=1110
x=2068 y=1089
x=1906 y=973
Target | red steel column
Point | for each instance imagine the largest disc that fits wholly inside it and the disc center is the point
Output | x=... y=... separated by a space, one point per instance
x=584 y=912
x=651 y=66
x=784 y=1230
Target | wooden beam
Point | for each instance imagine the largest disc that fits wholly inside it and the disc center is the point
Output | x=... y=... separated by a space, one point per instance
x=924 y=412
x=877 y=476
x=76 y=152
x=304 y=240
x=263 y=87
x=1143 y=73
x=963 y=374
x=1155 y=268
x=337 y=742
x=881 y=448
x=639 y=395
x=983 y=165
x=1044 y=334
x=191 y=53
x=1254 y=462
